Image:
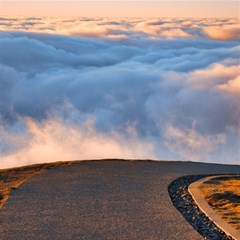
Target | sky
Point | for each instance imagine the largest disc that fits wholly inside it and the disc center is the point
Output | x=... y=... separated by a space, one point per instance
x=114 y=8
x=134 y=81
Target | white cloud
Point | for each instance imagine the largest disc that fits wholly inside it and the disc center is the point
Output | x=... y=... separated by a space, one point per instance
x=142 y=83
x=189 y=142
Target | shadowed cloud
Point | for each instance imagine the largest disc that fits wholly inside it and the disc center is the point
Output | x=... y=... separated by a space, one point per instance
x=103 y=88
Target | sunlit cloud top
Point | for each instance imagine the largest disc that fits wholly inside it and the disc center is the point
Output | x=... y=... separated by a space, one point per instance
x=214 y=28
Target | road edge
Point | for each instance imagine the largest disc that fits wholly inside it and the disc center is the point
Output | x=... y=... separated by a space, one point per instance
x=208 y=211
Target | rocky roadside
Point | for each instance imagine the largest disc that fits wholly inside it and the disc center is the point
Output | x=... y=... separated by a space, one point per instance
x=183 y=201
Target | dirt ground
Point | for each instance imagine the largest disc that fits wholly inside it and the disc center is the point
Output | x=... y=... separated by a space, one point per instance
x=223 y=195
x=11 y=179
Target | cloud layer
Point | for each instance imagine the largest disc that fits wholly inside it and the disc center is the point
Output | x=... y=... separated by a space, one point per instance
x=102 y=88
x=205 y=28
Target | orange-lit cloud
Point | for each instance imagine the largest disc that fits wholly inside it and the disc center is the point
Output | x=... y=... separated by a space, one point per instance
x=232 y=86
x=223 y=32
x=54 y=140
x=216 y=29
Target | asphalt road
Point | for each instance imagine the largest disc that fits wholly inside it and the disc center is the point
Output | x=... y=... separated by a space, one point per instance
x=102 y=200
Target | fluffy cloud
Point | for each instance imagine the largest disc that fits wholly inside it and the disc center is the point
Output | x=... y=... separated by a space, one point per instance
x=102 y=88
x=217 y=29
x=231 y=32
x=189 y=141
x=54 y=140
x=232 y=86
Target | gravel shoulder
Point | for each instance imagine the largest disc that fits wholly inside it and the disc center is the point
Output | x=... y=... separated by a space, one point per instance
x=187 y=199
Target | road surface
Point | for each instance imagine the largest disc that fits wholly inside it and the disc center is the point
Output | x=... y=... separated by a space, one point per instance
x=102 y=200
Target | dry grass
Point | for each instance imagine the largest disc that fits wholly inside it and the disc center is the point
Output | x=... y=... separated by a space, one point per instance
x=10 y=179
x=223 y=195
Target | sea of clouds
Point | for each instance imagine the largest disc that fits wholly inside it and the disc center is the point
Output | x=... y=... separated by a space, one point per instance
x=83 y=88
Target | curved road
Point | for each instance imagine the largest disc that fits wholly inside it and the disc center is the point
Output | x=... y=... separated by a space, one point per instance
x=102 y=200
